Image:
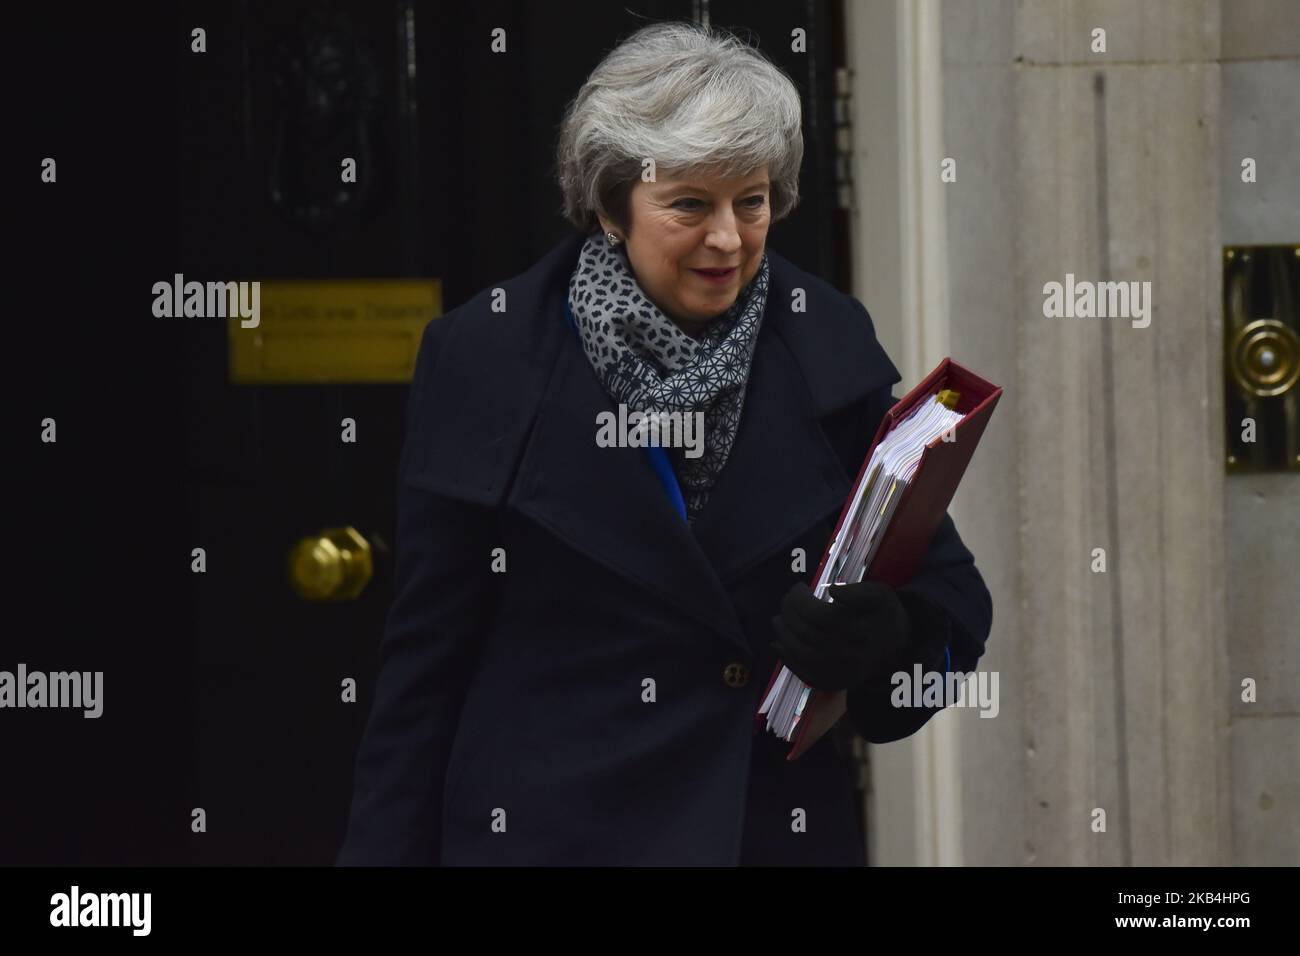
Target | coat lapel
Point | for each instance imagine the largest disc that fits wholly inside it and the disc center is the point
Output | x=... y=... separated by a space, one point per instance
x=781 y=477
x=608 y=503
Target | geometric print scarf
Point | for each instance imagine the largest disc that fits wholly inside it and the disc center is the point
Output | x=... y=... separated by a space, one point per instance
x=644 y=361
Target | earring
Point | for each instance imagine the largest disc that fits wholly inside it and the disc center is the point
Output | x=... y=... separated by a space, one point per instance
x=612 y=239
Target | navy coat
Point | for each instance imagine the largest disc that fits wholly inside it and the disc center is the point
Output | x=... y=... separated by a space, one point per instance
x=508 y=724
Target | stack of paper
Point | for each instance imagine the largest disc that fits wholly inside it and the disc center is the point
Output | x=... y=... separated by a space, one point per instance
x=889 y=470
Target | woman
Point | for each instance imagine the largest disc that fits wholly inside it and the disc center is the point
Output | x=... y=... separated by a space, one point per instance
x=583 y=626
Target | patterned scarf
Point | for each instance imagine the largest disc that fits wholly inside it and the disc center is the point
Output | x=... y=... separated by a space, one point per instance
x=647 y=363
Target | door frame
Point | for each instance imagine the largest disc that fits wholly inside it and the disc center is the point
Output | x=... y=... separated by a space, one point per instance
x=900 y=271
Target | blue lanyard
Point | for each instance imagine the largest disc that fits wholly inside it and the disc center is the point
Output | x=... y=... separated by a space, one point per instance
x=659 y=460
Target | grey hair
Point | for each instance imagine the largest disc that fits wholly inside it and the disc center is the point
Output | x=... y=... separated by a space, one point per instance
x=688 y=97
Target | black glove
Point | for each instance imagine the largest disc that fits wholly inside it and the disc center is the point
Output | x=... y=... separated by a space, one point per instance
x=868 y=632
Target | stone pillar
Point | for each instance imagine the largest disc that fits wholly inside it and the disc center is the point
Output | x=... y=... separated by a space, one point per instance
x=1115 y=686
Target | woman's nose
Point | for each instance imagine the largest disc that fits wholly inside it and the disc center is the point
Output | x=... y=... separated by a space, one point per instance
x=723 y=234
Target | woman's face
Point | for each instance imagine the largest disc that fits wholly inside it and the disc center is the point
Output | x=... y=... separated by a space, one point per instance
x=703 y=221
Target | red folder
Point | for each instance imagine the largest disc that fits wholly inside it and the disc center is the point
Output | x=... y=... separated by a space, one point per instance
x=922 y=507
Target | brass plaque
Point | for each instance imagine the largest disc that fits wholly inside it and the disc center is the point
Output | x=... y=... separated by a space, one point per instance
x=1261 y=357
x=330 y=331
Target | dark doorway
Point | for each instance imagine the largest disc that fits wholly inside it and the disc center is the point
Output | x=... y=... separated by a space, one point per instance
x=234 y=705
x=460 y=141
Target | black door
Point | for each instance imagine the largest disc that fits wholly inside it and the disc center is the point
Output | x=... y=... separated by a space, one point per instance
x=454 y=152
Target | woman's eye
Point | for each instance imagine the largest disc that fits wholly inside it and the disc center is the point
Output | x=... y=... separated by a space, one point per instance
x=753 y=202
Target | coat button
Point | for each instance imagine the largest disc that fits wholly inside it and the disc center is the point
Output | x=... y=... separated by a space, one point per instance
x=735 y=674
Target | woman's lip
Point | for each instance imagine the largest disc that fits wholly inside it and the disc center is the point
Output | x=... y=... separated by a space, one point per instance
x=716 y=273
